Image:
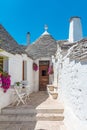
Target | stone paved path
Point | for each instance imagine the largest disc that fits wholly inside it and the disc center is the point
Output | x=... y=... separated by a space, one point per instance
x=40 y=113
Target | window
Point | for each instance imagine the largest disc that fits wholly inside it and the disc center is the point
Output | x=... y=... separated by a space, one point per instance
x=43 y=72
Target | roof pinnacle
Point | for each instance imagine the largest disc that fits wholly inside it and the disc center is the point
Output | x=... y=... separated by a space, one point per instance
x=46 y=27
x=46 y=30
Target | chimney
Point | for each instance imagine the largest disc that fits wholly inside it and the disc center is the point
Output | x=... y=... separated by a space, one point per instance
x=75 y=29
x=28 y=38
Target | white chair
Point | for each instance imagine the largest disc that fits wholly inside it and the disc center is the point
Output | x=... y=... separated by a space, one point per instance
x=20 y=94
x=25 y=84
x=27 y=93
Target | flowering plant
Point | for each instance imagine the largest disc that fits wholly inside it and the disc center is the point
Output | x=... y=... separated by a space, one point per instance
x=50 y=69
x=18 y=83
x=35 y=67
x=5 y=81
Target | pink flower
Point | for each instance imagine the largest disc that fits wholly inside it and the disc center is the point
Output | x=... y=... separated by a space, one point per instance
x=50 y=69
x=6 y=82
x=35 y=67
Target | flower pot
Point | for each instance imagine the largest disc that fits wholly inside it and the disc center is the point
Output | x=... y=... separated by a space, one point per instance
x=51 y=88
x=54 y=95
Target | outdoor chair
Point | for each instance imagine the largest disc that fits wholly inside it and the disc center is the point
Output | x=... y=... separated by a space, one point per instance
x=25 y=85
x=20 y=95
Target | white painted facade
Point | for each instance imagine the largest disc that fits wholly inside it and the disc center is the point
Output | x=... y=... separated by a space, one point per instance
x=72 y=89
x=13 y=64
x=36 y=73
x=75 y=30
x=6 y=98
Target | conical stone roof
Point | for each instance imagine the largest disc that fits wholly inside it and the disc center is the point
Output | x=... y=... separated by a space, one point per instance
x=8 y=43
x=44 y=46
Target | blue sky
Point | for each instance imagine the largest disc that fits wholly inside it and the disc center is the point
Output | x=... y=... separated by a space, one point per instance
x=22 y=16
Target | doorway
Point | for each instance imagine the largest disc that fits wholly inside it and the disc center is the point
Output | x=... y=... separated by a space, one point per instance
x=24 y=70
x=43 y=75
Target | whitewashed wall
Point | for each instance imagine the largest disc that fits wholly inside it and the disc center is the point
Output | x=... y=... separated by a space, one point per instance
x=30 y=74
x=73 y=91
x=15 y=68
x=13 y=64
x=6 y=98
x=70 y=77
x=74 y=85
x=36 y=77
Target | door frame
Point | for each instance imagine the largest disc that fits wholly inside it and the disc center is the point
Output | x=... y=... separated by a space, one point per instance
x=24 y=70
x=43 y=63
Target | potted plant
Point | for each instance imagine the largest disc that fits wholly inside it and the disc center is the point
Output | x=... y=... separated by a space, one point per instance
x=50 y=69
x=51 y=88
x=35 y=67
x=54 y=95
x=18 y=83
x=6 y=82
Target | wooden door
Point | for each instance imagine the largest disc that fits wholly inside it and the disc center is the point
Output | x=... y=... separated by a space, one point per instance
x=43 y=76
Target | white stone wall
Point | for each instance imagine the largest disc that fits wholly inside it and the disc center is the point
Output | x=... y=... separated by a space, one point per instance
x=13 y=64
x=73 y=91
x=6 y=98
x=36 y=77
x=74 y=86
x=15 y=68
x=30 y=74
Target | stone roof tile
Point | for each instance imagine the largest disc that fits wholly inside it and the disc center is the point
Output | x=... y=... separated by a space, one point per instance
x=80 y=51
x=8 y=43
x=44 y=46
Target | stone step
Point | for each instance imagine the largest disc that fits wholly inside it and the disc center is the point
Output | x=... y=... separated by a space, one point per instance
x=39 y=125
x=63 y=127
x=27 y=110
x=48 y=125
x=53 y=95
x=50 y=117
x=32 y=117
x=7 y=125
